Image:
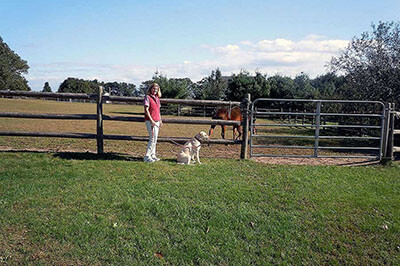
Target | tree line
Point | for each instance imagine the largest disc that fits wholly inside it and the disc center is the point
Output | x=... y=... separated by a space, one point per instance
x=218 y=87
x=368 y=69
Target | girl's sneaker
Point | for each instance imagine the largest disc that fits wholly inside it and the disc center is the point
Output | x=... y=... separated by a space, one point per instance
x=148 y=160
x=155 y=159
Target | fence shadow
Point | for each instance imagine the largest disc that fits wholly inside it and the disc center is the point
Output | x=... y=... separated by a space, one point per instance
x=362 y=163
x=104 y=156
x=72 y=155
x=95 y=156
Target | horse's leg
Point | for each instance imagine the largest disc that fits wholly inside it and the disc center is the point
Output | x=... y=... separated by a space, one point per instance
x=223 y=127
x=239 y=129
x=234 y=133
x=254 y=127
x=211 y=130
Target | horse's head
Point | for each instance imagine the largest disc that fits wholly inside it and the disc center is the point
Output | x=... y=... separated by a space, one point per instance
x=220 y=113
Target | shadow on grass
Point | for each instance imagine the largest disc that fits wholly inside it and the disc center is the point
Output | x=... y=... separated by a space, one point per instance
x=71 y=155
x=104 y=156
x=362 y=163
x=95 y=156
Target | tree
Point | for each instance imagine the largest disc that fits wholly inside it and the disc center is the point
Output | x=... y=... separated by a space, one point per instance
x=281 y=87
x=11 y=69
x=303 y=88
x=46 y=87
x=178 y=88
x=243 y=83
x=212 y=87
x=74 y=85
x=328 y=86
x=120 y=89
x=371 y=64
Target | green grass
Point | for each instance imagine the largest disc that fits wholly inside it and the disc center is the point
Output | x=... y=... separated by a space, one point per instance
x=75 y=208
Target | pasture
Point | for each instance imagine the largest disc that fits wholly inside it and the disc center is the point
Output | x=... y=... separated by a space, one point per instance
x=69 y=206
x=133 y=148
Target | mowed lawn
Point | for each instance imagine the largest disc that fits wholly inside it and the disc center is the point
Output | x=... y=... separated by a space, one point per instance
x=75 y=208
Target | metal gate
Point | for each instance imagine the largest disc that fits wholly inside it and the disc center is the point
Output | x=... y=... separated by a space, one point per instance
x=318 y=128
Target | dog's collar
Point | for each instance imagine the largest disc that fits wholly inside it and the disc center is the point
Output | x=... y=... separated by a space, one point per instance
x=199 y=140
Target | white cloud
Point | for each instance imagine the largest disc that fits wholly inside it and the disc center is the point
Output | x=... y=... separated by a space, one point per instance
x=281 y=56
x=275 y=45
x=228 y=49
x=314 y=37
x=246 y=43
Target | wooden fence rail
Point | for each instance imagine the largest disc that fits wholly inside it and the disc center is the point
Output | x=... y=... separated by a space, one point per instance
x=108 y=137
x=100 y=117
x=117 y=118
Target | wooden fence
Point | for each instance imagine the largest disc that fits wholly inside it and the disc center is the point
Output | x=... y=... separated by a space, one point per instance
x=99 y=98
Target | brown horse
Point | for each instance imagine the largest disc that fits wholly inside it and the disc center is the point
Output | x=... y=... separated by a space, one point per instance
x=224 y=114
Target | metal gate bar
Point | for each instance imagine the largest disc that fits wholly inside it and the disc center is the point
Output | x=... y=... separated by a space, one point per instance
x=316 y=118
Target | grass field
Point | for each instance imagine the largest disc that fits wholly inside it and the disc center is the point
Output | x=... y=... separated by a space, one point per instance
x=70 y=208
x=75 y=208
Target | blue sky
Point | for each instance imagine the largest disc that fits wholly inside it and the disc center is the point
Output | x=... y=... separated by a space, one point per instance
x=129 y=40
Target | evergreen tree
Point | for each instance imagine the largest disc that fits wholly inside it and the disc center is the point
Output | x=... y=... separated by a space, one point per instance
x=46 y=87
x=212 y=87
x=243 y=83
x=178 y=88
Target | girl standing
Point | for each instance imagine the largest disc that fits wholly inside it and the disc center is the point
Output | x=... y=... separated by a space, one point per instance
x=152 y=118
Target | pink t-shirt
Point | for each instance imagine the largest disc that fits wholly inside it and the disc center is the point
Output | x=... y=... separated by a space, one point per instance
x=153 y=102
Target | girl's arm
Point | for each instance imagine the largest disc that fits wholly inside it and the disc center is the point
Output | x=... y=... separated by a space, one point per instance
x=146 y=110
x=159 y=96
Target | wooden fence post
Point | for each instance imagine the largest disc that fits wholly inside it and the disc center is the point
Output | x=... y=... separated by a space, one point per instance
x=100 y=146
x=245 y=127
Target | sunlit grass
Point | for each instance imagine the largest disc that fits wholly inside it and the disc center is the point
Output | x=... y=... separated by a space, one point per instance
x=76 y=208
